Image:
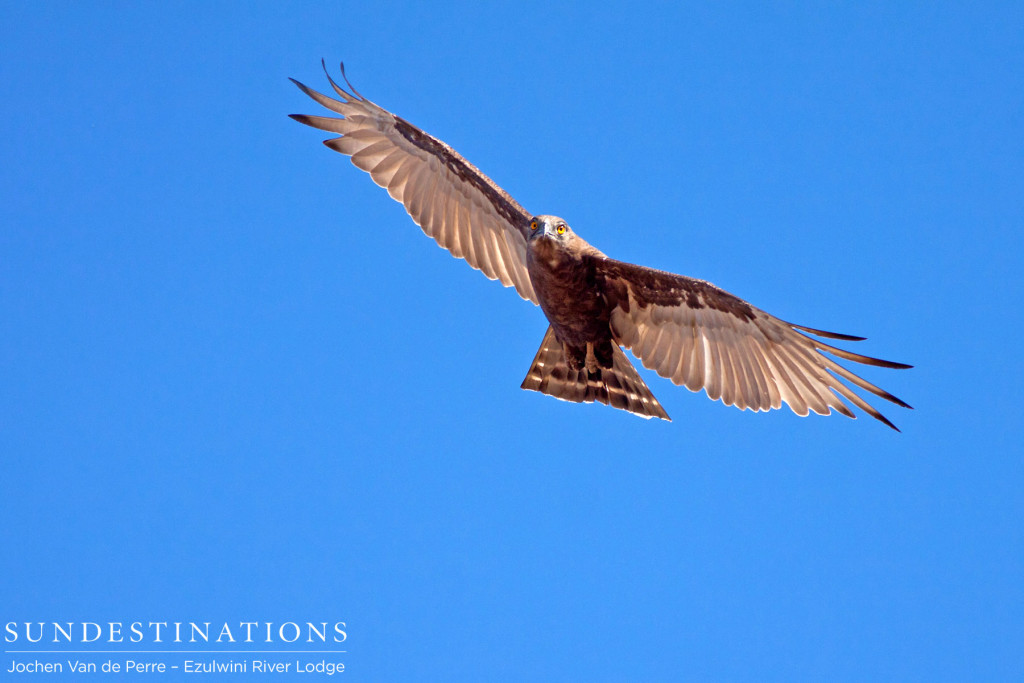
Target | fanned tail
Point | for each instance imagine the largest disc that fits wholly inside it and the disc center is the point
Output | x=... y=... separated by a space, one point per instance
x=618 y=386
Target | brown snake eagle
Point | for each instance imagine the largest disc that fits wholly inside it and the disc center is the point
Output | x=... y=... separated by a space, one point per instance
x=687 y=330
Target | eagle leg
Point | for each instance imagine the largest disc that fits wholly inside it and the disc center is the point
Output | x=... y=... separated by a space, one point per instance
x=577 y=357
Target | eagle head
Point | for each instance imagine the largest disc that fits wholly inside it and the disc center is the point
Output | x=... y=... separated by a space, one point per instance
x=552 y=240
x=550 y=227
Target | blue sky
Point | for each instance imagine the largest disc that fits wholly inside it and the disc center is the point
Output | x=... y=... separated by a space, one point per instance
x=239 y=384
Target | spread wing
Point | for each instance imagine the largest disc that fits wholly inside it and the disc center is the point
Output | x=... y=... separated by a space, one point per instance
x=449 y=198
x=702 y=337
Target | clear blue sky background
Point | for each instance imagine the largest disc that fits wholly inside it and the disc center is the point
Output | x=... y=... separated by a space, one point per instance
x=237 y=382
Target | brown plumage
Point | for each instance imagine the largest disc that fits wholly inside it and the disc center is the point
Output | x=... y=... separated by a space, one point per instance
x=687 y=330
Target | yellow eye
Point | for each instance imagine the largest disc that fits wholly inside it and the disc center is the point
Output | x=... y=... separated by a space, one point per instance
x=533 y=225
x=560 y=230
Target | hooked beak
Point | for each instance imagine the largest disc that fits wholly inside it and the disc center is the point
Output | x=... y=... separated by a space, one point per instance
x=543 y=231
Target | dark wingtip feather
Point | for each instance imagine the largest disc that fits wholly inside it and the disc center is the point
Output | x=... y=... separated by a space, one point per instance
x=858 y=358
x=337 y=88
x=884 y=420
x=892 y=399
x=349 y=83
x=829 y=335
x=893 y=365
x=868 y=360
x=849 y=355
x=303 y=119
x=303 y=87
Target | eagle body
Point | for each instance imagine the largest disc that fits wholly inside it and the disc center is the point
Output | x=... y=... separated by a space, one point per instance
x=579 y=359
x=565 y=280
x=687 y=330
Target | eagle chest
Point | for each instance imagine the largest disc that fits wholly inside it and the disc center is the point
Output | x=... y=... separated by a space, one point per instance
x=571 y=298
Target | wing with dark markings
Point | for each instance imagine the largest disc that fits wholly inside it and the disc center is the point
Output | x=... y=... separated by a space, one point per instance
x=702 y=337
x=449 y=198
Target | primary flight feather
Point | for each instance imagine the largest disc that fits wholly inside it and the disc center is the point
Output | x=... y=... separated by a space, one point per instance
x=687 y=330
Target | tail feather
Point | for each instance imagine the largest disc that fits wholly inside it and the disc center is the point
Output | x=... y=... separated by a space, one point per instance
x=618 y=386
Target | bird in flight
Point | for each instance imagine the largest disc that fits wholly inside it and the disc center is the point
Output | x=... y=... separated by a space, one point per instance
x=685 y=329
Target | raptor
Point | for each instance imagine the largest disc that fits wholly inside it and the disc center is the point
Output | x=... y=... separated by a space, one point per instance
x=685 y=329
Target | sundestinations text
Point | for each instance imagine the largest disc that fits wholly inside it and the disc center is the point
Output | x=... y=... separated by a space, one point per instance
x=176 y=632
